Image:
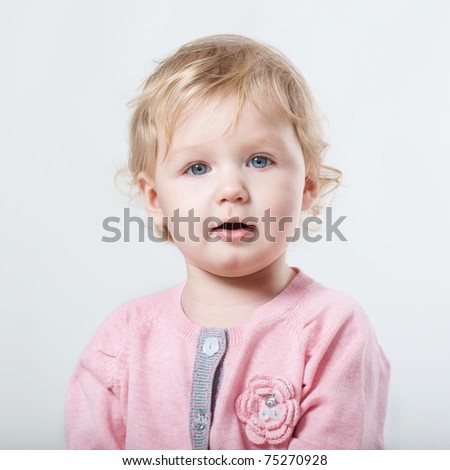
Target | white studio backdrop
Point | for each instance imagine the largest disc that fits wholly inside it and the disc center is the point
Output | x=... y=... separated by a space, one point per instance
x=380 y=73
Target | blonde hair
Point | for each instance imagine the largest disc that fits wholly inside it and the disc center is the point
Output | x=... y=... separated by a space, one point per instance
x=219 y=66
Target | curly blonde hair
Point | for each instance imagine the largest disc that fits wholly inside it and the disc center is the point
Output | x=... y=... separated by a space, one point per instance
x=219 y=66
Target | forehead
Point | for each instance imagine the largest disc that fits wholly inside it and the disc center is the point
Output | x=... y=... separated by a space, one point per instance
x=218 y=119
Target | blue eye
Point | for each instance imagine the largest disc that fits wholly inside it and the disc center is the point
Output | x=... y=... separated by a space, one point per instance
x=197 y=169
x=260 y=161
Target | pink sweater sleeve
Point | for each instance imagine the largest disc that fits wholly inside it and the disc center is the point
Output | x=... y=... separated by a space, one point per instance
x=93 y=418
x=345 y=385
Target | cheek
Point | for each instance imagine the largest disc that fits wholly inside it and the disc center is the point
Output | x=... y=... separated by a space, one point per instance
x=184 y=218
x=171 y=203
x=286 y=198
x=285 y=208
x=182 y=197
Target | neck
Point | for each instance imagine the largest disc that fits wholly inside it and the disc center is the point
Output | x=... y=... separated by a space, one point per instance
x=210 y=300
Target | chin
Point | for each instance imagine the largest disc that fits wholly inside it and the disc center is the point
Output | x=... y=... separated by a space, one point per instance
x=235 y=266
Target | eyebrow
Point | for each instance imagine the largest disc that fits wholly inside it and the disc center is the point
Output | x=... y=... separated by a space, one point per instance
x=270 y=139
x=266 y=139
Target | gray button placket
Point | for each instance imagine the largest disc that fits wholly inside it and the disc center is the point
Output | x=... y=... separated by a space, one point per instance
x=206 y=378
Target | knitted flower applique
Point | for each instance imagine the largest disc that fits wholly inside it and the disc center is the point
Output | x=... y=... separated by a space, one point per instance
x=269 y=410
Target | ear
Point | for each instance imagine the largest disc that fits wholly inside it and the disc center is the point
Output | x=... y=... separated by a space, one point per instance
x=149 y=195
x=310 y=193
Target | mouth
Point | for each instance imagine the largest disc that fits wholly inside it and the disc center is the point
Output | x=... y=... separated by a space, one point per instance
x=234 y=226
x=233 y=230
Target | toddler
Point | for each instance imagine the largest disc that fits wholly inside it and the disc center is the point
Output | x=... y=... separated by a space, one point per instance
x=248 y=352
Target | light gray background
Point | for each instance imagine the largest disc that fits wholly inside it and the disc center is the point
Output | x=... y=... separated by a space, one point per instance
x=379 y=71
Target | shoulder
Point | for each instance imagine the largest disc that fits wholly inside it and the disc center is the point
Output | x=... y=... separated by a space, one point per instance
x=107 y=344
x=133 y=313
x=324 y=312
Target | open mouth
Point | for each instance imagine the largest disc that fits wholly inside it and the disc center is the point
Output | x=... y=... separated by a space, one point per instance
x=234 y=226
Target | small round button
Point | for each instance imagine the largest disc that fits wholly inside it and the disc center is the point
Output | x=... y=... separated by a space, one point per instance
x=264 y=413
x=200 y=420
x=211 y=346
x=275 y=413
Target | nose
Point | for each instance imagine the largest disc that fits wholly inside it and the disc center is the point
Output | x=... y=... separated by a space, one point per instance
x=231 y=188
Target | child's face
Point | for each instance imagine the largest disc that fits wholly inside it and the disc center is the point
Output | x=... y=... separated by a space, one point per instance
x=252 y=172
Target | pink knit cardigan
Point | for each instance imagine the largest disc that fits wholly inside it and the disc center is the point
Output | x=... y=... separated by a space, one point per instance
x=306 y=372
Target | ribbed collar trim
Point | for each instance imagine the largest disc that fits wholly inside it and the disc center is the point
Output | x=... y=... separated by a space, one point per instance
x=271 y=311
